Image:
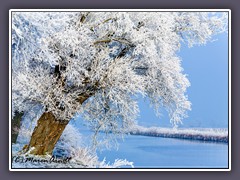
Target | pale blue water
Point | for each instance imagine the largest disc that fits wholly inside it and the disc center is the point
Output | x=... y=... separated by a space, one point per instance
x=157 y=152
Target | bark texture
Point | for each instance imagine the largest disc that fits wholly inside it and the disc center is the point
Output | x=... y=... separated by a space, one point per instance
x=45 y=134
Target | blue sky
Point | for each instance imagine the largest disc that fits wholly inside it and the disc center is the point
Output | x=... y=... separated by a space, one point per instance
x=207 y=70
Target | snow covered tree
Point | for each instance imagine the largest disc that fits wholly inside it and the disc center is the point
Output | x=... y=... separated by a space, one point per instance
x=98 y=63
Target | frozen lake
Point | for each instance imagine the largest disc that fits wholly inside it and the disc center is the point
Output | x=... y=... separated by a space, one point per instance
x=157 y=152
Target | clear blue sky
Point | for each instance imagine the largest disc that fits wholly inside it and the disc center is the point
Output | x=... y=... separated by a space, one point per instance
x=207 y=69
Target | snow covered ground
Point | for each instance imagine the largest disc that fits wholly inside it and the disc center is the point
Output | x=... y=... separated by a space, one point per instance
x=69 y=152
x=204 y=134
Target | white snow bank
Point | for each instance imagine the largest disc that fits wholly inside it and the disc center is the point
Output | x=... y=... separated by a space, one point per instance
x=69 y=152
x=204 y=134
x=80 y=158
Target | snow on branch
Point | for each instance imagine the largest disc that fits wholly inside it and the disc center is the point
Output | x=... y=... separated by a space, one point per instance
x=96 y=63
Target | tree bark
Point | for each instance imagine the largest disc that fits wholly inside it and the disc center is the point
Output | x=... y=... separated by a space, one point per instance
x=45 y=135
x=16 y=123
x=47 y=132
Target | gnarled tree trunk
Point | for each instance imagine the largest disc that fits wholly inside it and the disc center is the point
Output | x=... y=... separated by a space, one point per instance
x=45 y=134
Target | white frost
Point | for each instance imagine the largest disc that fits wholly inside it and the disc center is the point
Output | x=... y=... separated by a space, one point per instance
x=204 y=134
x=107 y=58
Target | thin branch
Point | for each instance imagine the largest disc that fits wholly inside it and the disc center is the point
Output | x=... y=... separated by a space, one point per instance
x=102 y=41
x=92 y=28
x=83 y=18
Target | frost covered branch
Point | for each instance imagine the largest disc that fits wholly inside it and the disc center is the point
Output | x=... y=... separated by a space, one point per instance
x=97 y=63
